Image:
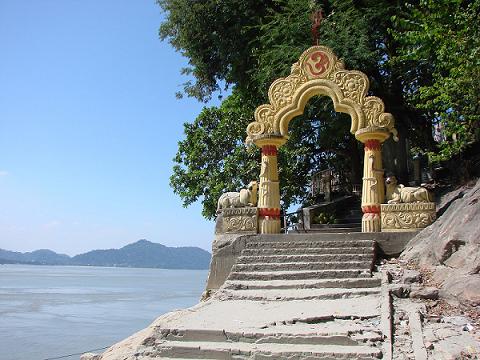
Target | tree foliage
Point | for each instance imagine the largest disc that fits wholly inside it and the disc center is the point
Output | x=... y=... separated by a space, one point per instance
x=212 y=157
x=214 y=35
x=421 y=74
x=440 y=43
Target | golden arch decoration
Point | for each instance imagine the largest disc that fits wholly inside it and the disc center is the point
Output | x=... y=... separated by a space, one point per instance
x=319 y=72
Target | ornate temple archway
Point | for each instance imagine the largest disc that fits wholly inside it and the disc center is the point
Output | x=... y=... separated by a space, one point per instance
x=319 y=72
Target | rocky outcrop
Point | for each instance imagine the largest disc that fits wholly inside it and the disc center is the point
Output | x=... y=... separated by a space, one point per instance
x=450 y=247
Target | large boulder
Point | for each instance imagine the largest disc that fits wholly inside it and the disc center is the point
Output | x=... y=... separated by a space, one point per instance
x=450 y=247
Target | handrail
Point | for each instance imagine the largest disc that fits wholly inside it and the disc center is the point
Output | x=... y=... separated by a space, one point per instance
x=287 y=226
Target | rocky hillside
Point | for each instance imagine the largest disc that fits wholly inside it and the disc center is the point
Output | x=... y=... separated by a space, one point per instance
x=449 y=249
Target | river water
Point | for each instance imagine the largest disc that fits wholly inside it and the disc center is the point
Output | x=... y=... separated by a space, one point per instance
x=51 y=311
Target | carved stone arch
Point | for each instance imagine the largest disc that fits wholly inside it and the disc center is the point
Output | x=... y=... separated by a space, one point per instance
x=319 y=72
x=319 y=87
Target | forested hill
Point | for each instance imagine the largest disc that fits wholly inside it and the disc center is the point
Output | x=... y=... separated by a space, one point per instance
x=142 y=253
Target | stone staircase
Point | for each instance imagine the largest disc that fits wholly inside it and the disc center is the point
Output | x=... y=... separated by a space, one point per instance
x=297 y=297
x=348 y=212
x=349 y=221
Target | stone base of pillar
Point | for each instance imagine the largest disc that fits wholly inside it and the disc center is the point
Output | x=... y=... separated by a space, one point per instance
x=371 y=222
x=407 y=216
x=269 y=225
x=242 y=220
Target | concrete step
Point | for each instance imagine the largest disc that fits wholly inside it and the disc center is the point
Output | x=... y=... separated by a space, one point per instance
x=341 y=223
x=297 y=266
x=349 y=336
x=305 y=251
x=299 y=275
x=302 y=258
x=176 y=358
x=263 y=351
x=339 y=228
x=304 y=284
x=310 y=244
x=295 y=294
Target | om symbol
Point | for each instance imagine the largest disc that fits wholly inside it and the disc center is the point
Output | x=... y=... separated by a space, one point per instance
x=317 y=63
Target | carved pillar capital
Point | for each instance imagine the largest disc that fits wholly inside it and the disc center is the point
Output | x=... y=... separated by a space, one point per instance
x=367 y=134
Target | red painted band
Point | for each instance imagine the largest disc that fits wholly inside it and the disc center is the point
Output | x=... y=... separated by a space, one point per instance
x=371 y=209
x=269 y=212
x=269 y=150
x=373 y=145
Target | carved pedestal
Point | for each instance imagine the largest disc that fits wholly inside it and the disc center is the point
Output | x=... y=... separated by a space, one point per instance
x=239 y=221
x=407 y=216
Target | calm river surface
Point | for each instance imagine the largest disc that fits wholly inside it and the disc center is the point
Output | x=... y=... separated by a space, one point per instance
x=50 y=311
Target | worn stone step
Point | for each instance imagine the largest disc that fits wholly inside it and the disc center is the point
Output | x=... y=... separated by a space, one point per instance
x=177 y=358
x=340 y=224
x=313 y=258
x=295 y=294
x=183 y=358
x=306 y=251
x=263 y=351
x=304 y=284
x=292 y=265
x=339 y=228
x=298 y=275
x=309 y=244
x=350 y=336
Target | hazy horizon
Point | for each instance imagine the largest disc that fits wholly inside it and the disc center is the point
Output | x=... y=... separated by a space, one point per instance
x=112 y=248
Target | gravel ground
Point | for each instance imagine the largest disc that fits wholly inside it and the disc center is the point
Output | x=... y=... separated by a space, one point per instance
x=449 y=331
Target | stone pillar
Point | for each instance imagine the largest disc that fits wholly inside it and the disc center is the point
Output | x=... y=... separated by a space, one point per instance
x=269 y=192
x=269 y=187
x=373 y=189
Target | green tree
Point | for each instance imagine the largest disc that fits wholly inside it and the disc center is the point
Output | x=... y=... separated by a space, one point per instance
x=246 y=44
x=212 y=157
x=215 y=36
x=440 y=45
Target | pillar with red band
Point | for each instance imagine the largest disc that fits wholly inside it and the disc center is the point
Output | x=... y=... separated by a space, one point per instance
x=269 y=192
x=373 y=189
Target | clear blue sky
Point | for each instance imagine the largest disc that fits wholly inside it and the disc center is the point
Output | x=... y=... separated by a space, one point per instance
x=89 y=124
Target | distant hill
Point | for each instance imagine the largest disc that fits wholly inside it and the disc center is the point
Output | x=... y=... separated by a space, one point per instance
x=142 y=253
x=41 y=257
